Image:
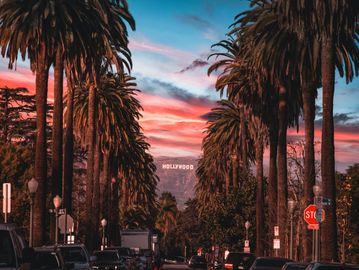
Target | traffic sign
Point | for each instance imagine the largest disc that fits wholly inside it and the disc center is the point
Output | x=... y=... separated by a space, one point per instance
x=246 y=243
x=276 y=230
x=247 y=250
x=319 y=215
x=70 y=224
x=6 y=187
x=276 y=243
x=310 y=216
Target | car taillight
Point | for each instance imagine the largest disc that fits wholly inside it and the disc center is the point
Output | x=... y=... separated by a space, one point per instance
x=228 y=266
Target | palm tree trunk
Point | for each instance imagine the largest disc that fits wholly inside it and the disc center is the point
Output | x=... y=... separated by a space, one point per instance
x=227 y=178
x=329 y=229
x=282 y=167
x=96 y=190
x=259 y=201
x=272 y=177
x=42 y=74
x=235 y=172
x=308 y=94
x=90 y=166
x=244 y=154
x=68 y=166
x=57 y=126
x=115 y=214
x=104 y=186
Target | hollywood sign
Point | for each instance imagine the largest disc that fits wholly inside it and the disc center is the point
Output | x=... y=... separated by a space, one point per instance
x=177 y=166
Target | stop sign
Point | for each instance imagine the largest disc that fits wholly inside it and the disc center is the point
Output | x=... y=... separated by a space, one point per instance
x=309 y=215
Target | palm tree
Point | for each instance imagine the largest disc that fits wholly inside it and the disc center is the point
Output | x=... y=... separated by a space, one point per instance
x=331 y=35
x=167 y=213
x=21 y=22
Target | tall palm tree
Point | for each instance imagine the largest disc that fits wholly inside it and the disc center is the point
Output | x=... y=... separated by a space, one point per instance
x=332 y=27
x=167 y=214
x=21 y=23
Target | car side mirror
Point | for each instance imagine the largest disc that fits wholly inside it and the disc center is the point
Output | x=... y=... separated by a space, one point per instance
x=28 y=254
x=93 y=258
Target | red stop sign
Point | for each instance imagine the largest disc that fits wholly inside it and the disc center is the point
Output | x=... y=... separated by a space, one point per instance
x=309 y=215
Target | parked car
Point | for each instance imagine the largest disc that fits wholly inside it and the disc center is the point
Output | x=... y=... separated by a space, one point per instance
x=295 y=266
x=108 y=260
x=239 y=260
x=76 y=255
x=49 y=258
x=126 y=254
x=269 y=263
x=197 y=262
x=331 y=266
x=11 y=248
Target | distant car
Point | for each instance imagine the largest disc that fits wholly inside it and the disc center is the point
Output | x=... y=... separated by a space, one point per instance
x=49 y=258
x=269 y=263
x=197 y=262
x=239 y=260
x=125 y=253
x=11 y=248
x=294 y=266
x=331 y=266
x=108 y=260
x=76 y=255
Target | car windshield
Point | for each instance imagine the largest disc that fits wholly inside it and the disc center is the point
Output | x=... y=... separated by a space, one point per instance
x=108 y=256
x=199 y=259
x=7 y=255
x=268 y=262
x=123 y=251
x=46 y=260
x=73 y=254
x=239 y=258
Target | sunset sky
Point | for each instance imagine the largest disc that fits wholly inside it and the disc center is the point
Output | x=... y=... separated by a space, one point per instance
x=170 y=49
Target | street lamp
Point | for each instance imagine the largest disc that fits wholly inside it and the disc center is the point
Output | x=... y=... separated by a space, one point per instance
x=57 y=203
x=103 y=224
x=32 y=186
x=291 y=206
x=247 y=225
x=317 y=192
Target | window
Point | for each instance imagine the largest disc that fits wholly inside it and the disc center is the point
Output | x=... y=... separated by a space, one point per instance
x=7 y=254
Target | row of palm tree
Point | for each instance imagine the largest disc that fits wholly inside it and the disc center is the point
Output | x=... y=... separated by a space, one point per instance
x=88 y=41
x=276 y=57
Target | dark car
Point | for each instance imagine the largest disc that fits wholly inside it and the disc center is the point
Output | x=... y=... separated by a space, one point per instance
x=295 y=266
x=109 y=260
x=331 y=266
x=11 y=248
x=269 y=263
x=239 y=260
x=126 y=254
x=198 y=262
x=49 y=258
x=76 y=255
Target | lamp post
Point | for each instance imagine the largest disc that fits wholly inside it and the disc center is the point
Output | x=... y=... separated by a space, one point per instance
x=103 y=224
x=247 y=225
x=291 y=206
x=32 y=186
x=57 y=203
x=317 y=191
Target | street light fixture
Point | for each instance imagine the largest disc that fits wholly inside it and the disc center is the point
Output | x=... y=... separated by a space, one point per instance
x=57 y=203
x=32 y=186
x=317 y=190
x=247 y=225
x=103 y=224
x=291 y=206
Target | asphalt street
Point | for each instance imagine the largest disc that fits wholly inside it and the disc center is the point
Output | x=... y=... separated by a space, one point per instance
x=175 y=266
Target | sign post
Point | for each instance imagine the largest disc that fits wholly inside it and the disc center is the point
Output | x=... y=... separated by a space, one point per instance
x=6 y=199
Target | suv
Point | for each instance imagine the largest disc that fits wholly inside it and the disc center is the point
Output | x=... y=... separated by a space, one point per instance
x=239 y=260
x=49 y=258
x=11 y=247
x=269 y=263
x=76 y=255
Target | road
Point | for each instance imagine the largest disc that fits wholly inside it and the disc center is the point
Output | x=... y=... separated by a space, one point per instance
x=175 y=266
